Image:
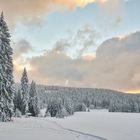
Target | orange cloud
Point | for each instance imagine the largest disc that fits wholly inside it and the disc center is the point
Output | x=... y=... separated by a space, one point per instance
x=89 y=56
x=103 y=1
x=134 y=91
x=73 y=3
x=34 y=9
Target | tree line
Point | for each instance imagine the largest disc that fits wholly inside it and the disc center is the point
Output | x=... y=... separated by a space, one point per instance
x=26 y=99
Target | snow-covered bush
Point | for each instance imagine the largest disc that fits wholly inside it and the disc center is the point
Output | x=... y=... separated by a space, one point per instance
x=47 y=114
x=62 y=113
x=17 y=113
x=80 y=107
x=53 y=107
x=91 y=107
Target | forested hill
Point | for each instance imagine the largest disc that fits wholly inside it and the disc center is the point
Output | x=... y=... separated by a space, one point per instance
x=81 y=99
x=91 y=97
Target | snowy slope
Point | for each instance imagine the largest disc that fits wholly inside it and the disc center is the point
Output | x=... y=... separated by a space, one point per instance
x=39 y=129
x=112 y=126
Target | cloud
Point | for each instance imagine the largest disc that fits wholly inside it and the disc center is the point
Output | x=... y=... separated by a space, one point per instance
x=22 y=47
x=115 y=66
x=58 y=68
x=74 y=45
x=77 y=43
x=113 y=5
x=28 y=10
x=33 y=9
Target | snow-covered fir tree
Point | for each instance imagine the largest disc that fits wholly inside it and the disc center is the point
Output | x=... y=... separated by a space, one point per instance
x=6 y=73
x=53 y=107
x=18 y=100
x=24 y=92
x=33 y=100
x=17 y=113
x=136 y=107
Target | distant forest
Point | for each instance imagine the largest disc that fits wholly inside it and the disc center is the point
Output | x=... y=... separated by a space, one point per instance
x=64 y=101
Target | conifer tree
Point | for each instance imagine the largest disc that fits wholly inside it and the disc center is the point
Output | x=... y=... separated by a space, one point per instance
x=33 y=100
x=24 y=92
x=18 y=101
x=6 y=73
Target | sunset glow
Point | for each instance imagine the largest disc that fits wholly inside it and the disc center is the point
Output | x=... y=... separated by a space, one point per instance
x=134 y=91
x=83 y=43
x=84 y=2
x=62 y=59
x=103 y=1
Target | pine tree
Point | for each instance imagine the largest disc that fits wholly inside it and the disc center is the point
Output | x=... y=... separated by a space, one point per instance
x=33 y=100
x=136 y=107
x=61 y=112
x=18 y=101
x=24 y=92
x=6 y=73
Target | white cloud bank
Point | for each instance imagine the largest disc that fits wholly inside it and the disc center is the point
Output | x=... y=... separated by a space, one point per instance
x=116 y=66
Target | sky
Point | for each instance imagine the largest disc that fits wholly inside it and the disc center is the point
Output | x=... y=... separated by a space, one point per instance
x=78 y=43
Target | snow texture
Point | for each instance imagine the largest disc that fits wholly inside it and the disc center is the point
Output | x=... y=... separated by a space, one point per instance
x=94 y=125
x=40 y=128
x=112 y=126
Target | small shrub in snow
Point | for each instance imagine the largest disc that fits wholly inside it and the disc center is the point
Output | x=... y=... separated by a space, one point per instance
x=91 y=107
x=18 y=113
x=80 y=107
x=47 y=114
x=62 y=113
x=27 y=115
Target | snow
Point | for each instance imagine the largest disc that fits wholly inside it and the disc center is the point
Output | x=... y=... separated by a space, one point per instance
x=42 y=112
x=112 y=126
x=39 y=129
x=94 y=125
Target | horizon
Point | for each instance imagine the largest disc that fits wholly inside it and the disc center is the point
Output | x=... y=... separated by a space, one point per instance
x=89 y=44
x=60 y=86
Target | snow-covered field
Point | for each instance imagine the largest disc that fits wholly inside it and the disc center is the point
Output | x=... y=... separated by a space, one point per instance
x=112 y=126
x=94 y=125
x=39 y=129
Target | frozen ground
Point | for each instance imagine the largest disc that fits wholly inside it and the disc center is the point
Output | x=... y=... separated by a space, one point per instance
x=112 y=126
x=39 y=129
x=81 y=126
